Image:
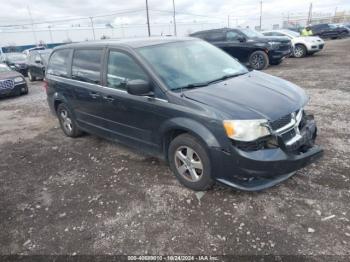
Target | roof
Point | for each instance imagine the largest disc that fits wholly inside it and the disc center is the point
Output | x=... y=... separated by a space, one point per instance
x=128 y=42
x=212 y=30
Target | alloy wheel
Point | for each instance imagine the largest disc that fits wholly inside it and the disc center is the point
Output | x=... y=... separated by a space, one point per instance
x=66 y=121
x=257 y=61
x=188 y=163
x=30 y=76
x=298 y=51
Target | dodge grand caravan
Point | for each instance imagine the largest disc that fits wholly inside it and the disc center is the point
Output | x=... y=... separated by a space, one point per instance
x=188 y=102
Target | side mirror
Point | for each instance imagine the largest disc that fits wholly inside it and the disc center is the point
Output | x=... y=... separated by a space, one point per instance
x=241 y=38
x=139 y=87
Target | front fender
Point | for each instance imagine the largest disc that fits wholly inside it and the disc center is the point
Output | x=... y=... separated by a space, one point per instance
x=190 y=126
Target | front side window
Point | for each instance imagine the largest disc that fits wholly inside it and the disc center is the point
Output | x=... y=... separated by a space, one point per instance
x=58 y=64
x=122 y=68
x=185 y=63
x=87 y=66
x=231 y=36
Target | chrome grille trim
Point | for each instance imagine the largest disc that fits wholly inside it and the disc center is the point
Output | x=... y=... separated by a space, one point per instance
x=7 y=84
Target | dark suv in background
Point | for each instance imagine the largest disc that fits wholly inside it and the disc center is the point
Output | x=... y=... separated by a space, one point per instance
x=188 y=102
x=249 y=46
x=37 y=63
x=329 y=31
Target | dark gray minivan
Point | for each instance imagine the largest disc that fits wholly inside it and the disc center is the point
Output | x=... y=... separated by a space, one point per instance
x=188 y=102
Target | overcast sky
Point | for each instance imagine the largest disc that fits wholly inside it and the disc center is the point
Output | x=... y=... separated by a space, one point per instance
x=68 y=19
x=16 y=12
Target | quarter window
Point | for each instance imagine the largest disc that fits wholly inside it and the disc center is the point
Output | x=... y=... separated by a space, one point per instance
x=87 y=66
x=59 y=63
x=122 y=68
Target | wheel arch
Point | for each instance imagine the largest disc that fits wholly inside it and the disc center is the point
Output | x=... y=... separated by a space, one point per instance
x=178 y=126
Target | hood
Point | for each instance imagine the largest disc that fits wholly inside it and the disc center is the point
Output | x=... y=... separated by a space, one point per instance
x=9 y=75
x=255 y=95
x=17 y=62
x=311 y=38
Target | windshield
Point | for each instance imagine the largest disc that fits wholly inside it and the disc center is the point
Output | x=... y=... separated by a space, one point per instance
x=4 y=68
x=292 y=33
x=181 y=64
x=16 y=57
x=251 y=33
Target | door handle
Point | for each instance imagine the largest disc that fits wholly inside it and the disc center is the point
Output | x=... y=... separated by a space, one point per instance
x=94 y=95
x=108 y=98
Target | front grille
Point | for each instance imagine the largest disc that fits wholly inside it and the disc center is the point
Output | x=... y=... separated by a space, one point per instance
x=288 y=135
x=284 y=47
x=6 y=84
x=250 y=146
x=281 y=122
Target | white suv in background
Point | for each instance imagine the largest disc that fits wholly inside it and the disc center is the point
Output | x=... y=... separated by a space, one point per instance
x=302 y=45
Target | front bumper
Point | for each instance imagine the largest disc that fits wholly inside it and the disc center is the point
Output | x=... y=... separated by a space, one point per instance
x=314 y=47
x=16 y=90
x=277 y=55
x=261 y=169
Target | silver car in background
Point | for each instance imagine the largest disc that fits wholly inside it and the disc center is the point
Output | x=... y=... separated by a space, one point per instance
x=302 y=45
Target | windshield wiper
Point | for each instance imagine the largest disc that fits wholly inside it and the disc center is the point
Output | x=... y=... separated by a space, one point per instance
x=191 y=86
x=224 y=77
x=195 y=85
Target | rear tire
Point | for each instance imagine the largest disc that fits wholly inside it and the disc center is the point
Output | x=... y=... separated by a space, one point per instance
x=67 y=121
x=259 y=60
x=300 y=51
x=189 y=161
x=31 y=77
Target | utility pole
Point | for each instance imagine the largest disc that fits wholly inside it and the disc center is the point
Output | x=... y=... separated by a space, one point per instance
x=92 y=26
x=335 y=14
x=228 y=21
x=32 y=22
x=50 y=34
x=174 y=18
x=148 y=27
x=260 y=13
x=309 y=19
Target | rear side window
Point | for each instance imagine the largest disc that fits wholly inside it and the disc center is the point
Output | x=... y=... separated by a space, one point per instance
x=87 y=66
x=58 y=63
x=122 y=68
x=214 y=36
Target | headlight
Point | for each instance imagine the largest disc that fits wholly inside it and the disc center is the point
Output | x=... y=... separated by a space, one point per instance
x=13 y=66
x=274 y=45
x=246 y=130
x=18 y=79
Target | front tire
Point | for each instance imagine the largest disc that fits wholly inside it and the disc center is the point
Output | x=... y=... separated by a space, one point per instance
x=67 y=121
x=300 y=51
x=259 y=60
x=30 y=76
x=189 y=161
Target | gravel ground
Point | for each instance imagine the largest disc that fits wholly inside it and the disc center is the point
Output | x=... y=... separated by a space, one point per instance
x=90 y=196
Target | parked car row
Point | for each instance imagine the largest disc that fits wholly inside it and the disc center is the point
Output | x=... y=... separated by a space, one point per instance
x=259 y=50
x=32 y=65
x=15 y=66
